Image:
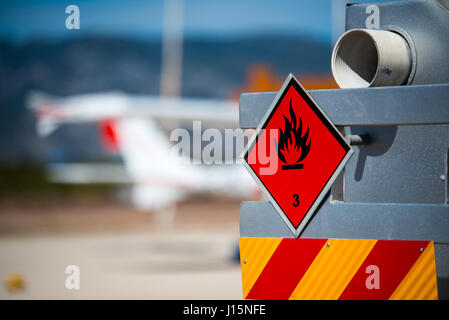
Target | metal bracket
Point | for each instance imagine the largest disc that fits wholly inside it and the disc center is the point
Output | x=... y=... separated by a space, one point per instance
x=382 y=106
x=357 y=140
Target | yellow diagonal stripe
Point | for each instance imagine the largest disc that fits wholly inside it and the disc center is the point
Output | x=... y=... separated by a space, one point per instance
x=420 y=283
x=332 y=270
x=254 y=255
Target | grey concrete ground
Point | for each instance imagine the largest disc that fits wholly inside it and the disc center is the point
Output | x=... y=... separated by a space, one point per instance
x=121 y=253
x=161 y=265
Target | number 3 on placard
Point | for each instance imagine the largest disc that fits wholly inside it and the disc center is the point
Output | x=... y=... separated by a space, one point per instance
x=296 y=200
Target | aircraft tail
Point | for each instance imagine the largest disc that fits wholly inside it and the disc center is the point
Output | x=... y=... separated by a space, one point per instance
x=160 y=176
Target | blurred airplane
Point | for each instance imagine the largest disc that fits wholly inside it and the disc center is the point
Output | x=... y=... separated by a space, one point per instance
x=131 y=125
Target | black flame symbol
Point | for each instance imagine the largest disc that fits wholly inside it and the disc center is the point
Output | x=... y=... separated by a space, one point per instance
x=292 y=146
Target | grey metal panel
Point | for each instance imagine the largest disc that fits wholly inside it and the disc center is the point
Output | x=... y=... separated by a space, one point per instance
x=425 y=23
x=401 y=165
x=406 y=105
x=260 y=219
x=353 y=221
x=442 y=264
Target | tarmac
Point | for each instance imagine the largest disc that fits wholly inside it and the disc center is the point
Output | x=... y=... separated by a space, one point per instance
x=120 y=253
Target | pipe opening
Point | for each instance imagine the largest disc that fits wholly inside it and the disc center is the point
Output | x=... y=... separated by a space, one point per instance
x=356 y=60
x=367 y=58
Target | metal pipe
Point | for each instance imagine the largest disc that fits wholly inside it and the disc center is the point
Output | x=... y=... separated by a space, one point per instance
x=371 y=58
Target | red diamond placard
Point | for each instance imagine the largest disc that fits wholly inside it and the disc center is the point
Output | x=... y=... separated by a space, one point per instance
x=296 y=154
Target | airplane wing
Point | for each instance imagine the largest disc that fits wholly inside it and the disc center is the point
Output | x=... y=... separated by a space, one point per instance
x=53 y=111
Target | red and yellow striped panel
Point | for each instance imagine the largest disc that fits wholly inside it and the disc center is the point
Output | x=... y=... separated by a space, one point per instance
x=330 y=269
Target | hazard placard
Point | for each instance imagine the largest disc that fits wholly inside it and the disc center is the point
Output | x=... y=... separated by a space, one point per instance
x=296 y=154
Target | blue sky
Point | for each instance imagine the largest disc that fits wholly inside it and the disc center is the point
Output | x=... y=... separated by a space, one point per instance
x=24 y=19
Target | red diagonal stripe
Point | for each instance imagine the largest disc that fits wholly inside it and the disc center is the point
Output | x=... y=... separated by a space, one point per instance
x=286 y=267
x=394 y=259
